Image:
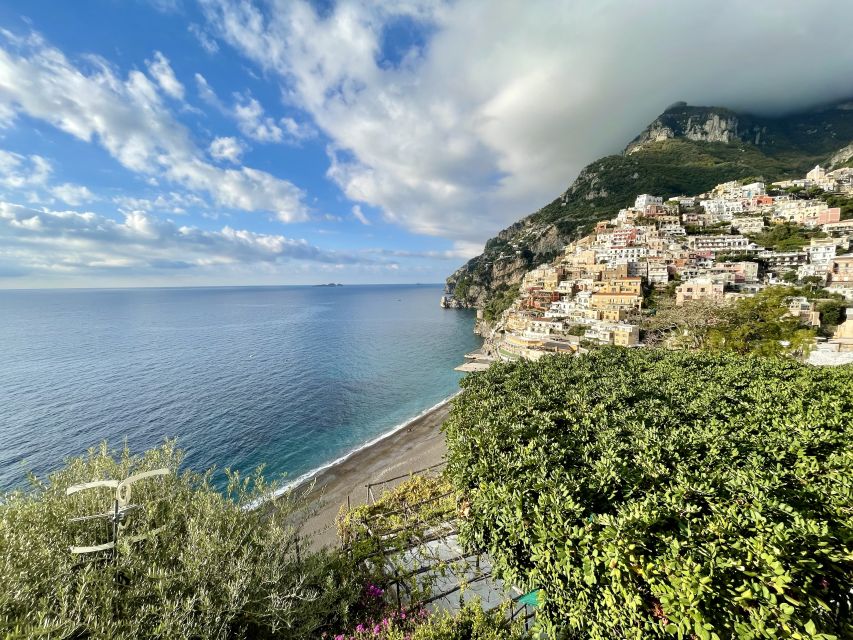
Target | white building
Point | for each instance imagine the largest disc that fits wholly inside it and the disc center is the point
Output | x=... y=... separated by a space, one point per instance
x=748 y=224
x=752 y=190
x=543 y=327
x=624 y=254
x=672 y=230
x=720 y=243
x=644 y=200
x=821 y=253
x=658 y=273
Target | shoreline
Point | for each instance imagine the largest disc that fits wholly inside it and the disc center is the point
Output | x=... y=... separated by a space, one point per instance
x=411 y=446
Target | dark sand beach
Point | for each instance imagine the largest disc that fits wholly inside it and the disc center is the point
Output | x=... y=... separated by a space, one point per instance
x=416 y=446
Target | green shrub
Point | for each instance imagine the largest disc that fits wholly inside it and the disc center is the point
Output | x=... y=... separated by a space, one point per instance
x=500 y=302
x=660 y=494
x=397 y=520
x=217 y=570
x=786 y=236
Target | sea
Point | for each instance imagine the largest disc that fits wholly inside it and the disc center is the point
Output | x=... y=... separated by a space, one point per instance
x=289 y=377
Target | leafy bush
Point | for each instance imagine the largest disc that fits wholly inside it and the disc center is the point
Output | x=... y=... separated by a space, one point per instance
x=500 y=302
x=761 y=324
x=398 y=517
x=460 y=291
x=217 y=570
x=786 y=236
x=832 y=312
x=660 y=494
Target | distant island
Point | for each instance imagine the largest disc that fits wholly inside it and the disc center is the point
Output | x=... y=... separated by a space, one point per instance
x=331 y=284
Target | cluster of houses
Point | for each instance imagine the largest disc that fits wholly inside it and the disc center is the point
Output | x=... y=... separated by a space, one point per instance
x=700 y=246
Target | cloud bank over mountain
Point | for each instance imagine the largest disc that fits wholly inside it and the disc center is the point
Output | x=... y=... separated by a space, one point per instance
x=457 y=118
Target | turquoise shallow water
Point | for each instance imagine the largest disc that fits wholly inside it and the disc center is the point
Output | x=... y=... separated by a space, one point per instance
x=292 y=377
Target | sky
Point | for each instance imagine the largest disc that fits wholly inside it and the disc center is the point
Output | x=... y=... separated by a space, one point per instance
x=259 y=142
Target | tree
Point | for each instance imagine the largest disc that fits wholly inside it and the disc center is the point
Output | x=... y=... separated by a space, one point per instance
x=577 y=329
x=790 y=276
x=684 y=327
x=786 y=236
x=218 y=568
x=831 y=312
x=762 y=324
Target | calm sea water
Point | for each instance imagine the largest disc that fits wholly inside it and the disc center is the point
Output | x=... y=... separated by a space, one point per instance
x=292 y=377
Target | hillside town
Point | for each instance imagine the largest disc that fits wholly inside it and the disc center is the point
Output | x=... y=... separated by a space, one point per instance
x=715 y=247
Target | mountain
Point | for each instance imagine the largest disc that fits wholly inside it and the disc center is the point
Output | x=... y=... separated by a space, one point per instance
x=686 y=150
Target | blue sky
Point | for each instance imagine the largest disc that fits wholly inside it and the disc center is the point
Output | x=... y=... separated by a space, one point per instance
x=182 y=142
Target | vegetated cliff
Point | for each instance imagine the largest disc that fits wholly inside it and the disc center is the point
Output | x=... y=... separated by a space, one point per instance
x=842 y=158
x=686 y=150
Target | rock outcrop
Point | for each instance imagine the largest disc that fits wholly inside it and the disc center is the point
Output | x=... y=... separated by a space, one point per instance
x=701 y=124
x=842 y=156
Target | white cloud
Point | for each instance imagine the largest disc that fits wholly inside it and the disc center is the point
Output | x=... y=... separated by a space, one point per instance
x=253 y=123
x=207 y=93
x=460 y=251
x=505 y=103
x=226 y=148
x=19 y=172
x=129 y=119
x=162 y=72
x=166 y=6
x=73 y=242
x=204 y=39
x=72 y=194
x=172 y=202
x=30 y=175
x=252 y=120
x=297 y=131
x=359 y=215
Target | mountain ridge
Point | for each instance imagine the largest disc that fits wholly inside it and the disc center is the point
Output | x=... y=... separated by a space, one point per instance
x=686 y=149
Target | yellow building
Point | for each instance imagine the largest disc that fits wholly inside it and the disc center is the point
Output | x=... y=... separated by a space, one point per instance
x=632 y=285
x=612 y=314
x=602 y=300
x=626 y=335
x=699 y=289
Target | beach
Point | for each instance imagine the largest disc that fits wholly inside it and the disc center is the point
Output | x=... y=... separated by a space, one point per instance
x=416 y=445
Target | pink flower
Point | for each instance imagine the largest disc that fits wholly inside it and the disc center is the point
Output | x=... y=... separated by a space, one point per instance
x=359 y=628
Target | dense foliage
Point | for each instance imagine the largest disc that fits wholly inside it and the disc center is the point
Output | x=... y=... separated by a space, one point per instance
x=786 y=236
x=664 y=494
x=217 y=570
x=500 y=302
x=842 y=201
x=398 y=517
x=760 y=324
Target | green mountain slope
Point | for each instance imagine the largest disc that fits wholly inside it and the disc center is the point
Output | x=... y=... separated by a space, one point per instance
x=686 y=150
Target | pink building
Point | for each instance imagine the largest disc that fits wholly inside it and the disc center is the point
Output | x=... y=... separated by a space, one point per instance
x=829 y=215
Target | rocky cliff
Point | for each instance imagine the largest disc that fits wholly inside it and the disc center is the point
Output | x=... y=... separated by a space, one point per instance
x=842 y=157
x=684 y=150
x=691 y=123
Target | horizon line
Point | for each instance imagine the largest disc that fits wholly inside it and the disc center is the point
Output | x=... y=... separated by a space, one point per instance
x=225 y=286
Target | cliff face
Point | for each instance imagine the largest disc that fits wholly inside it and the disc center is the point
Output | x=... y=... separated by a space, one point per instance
x=684 y=150
x=691 y=123
x=509 y=256
x=842 y=156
